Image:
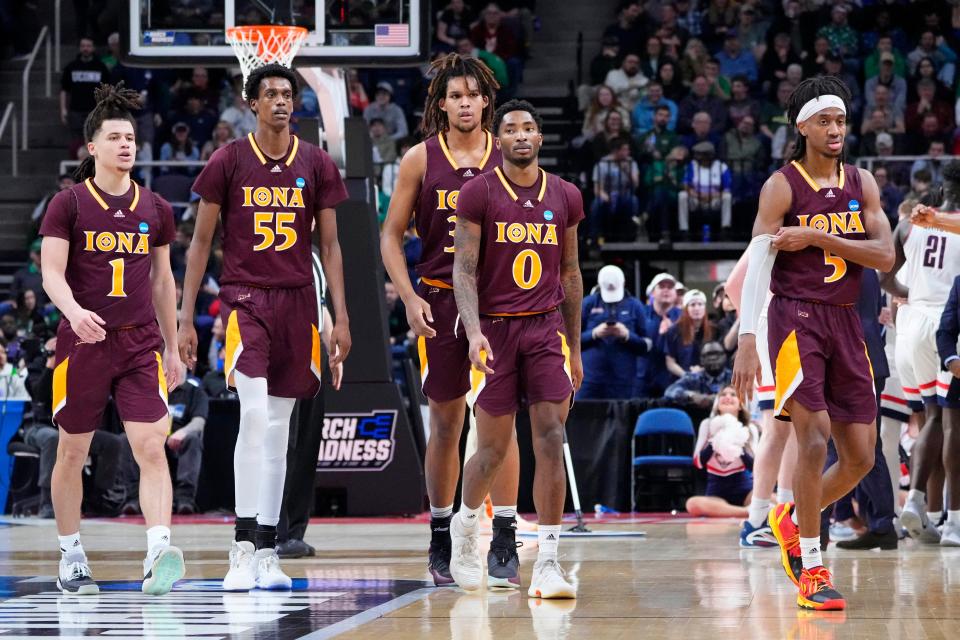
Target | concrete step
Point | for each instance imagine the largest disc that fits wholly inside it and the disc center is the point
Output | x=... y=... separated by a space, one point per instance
x=39 y=161
x=25 y=188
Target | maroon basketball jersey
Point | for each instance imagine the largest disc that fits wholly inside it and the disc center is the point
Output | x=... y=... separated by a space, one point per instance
x=267 y=208
x=436 y=208
x=108 y=268
x=523 y=229
x=814 y=274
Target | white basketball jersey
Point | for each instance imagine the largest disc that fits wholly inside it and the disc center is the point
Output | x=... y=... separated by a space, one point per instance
x=933 y=262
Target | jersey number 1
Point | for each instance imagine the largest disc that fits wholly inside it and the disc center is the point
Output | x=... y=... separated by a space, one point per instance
x=839 y=266
x=116 y=279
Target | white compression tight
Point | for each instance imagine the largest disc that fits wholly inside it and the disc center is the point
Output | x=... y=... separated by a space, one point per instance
x=260 y=458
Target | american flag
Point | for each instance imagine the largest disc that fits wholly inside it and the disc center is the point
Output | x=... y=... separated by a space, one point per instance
x=391 y=35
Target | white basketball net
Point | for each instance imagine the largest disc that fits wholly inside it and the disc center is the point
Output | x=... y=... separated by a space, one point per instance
x=257 y=46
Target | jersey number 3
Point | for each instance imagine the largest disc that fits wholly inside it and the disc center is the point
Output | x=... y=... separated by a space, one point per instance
x=839 y=266
x=270 y=225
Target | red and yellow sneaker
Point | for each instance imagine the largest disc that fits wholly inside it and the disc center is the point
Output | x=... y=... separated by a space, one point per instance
x=817 y=592
x=788 y=536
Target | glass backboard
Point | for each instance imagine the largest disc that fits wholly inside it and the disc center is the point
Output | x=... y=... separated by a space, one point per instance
x=341 y=32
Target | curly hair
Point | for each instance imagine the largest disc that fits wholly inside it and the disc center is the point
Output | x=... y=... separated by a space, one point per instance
x=805 y=92
x=113 y=103
x=443 y=69
x=251 y=86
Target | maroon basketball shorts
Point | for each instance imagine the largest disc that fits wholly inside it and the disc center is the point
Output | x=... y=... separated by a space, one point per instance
x=272 y=334
x=820 y=360
x=531 y=362
x=444 y=358
x=126 y=364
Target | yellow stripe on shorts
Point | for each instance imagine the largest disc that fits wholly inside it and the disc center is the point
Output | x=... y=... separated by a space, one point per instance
x=789 y=372
x=234 y=346
x=60 y=386
x=162 y=376
x=316 y=363
x=422 y=353
x=565 y=349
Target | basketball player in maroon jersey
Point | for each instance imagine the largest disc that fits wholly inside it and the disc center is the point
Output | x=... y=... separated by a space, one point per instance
x=106 y=265
x=267 y=189
x=819 y=224
x=518 y=287
x=457 y=118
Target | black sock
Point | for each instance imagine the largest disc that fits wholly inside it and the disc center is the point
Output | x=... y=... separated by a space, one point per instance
x=440 y=531
x=505 y=526
x=245 y=528
x=266 y=536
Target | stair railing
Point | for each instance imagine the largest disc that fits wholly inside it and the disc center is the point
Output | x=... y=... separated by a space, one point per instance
x=10 y=113
x=44 y=37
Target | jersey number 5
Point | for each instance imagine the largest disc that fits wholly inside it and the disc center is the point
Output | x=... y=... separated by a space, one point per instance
x=839 y=267
x=270 y=225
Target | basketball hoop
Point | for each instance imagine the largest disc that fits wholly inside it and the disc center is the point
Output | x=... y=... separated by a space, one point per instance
x=259 y=45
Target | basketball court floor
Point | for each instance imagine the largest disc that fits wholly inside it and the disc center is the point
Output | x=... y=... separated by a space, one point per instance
x=685 y=579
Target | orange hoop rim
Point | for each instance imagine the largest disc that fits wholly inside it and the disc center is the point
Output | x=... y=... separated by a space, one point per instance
x=272 y=41
x=263 y=30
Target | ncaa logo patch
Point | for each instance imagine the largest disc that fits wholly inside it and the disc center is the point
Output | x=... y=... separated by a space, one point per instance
x=144 y=227
x=548 y=215
x=357 y=441
x=853 y=205
x=301 y=182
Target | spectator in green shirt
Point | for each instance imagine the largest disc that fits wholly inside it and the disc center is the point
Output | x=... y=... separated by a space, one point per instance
x=843 y=38
x=657 y=143
x=662 y=181
x=871 y=66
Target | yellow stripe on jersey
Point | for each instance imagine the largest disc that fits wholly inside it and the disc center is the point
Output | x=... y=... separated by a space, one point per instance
x=234 y=346
x=136 y=196
x=788 y=372
x=256 y=149
x=422 y=353
x=446 y=152
x=161 y=376
x=93 y=191
x=293 y=151
x=513 y=194
x=840 y=184
x=60 y=385
x=806 y=176
x=488 y=150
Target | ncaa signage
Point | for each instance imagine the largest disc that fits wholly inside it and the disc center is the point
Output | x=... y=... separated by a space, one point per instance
x=357 y=441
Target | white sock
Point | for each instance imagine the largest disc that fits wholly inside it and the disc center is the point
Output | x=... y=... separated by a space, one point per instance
x=273 y=466
x=248 y=454
x=757 y=512
x=548 y=537
x=793 y=516
x=810 y=552
x=157 y=536
x=470 y=518
x=953 y=517
x=505 y=512
x=917 y=497
x=784 y=495
x=438 y=513
x=934 y=517
x=70 y=546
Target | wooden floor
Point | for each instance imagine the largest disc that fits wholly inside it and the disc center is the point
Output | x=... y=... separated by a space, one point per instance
x=686 y=579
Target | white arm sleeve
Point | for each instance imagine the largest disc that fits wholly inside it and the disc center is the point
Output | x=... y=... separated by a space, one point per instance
x=756 y=283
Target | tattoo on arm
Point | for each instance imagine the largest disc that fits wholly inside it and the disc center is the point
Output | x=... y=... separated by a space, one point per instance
x=572 y=283
x=466 y=255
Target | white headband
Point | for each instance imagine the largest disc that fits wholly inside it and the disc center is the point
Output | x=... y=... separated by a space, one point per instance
x=819 y=104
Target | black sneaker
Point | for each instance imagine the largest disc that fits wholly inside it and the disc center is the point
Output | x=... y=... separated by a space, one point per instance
x=503 y=564
x=440 y=549
x=295 y=549
x=75 y=578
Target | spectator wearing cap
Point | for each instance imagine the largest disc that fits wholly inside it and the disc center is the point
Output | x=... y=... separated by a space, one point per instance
x=895 y=84
x=707 y=190
x=874 y=62
x=181 y=147
x=843 y=39
x=735 y=60
x=613 y=339
x=384 y=109
x=683 y=340
x=659 y=315
x=627 y=81
x=697 y=389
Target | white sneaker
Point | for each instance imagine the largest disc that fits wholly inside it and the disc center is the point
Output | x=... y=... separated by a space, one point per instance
x=466 y=565
x=915 y=521
x=549 y=582
x=162 y=568
x=242 y=575
x=269 y=574
x=74 y=577
x=951 y=535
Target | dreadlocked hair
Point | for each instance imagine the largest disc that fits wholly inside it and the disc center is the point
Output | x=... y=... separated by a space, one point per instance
x=453 y=65
x=113 y=103
x=805 y=92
